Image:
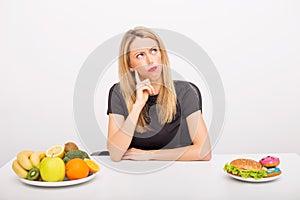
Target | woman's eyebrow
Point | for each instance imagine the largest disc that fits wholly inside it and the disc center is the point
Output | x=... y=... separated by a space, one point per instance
x=138 y=51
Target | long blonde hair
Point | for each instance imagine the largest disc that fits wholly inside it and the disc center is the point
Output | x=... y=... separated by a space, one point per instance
x=166 y=99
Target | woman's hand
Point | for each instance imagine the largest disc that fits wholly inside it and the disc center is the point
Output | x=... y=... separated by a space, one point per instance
x=137 y=154
x=143 y=90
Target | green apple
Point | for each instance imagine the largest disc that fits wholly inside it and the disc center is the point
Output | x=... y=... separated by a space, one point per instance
x=52 y=169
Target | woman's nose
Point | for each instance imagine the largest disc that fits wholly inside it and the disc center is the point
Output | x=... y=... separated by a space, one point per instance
x=149 y=59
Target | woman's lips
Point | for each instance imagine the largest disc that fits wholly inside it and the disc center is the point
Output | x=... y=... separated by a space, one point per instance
x=152 y=69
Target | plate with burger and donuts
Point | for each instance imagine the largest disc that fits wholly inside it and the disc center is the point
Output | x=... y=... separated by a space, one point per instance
x=249 y=170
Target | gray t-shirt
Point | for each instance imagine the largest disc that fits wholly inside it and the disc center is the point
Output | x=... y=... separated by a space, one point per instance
x=170 y=135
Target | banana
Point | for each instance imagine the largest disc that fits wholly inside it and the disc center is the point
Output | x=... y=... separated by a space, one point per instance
x=23 y=159
x=19 y=170
x=36 y=158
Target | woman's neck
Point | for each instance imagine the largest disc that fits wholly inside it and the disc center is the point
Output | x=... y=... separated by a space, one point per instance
x=156 y=87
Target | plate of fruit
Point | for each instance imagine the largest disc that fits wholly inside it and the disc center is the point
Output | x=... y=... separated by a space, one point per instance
x=59 y=165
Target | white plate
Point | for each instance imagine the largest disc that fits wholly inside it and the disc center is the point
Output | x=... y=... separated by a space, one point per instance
x=254 y=180
x=58 y=184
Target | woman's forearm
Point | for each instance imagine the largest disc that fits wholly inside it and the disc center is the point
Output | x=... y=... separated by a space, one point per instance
x=120 y=141
x=181 y=154
x=188 y=153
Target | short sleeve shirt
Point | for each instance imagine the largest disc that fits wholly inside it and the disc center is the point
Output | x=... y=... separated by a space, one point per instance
x=170 y=135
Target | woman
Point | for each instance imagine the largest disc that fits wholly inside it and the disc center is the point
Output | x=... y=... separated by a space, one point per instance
x=152 y=117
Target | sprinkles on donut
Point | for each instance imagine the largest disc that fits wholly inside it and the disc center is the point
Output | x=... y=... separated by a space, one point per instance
x=270 y=164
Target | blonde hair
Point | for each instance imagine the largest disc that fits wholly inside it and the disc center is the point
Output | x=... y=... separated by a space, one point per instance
x=166 y=99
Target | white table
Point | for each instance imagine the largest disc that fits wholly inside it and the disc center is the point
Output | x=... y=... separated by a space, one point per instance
x=180 y=180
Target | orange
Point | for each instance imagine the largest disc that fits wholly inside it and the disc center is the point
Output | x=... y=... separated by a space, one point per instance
x=93 y=166
x=76 y=169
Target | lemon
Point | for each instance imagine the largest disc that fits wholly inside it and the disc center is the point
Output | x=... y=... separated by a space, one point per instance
x=56 y=151
x=52 y=169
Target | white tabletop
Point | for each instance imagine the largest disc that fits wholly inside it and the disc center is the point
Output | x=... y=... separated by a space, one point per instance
x=179 y=180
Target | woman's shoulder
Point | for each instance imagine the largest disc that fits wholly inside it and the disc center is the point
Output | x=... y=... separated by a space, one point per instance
x=115 y=89
x=189 y=96
x=181 y=83
x=184 y=86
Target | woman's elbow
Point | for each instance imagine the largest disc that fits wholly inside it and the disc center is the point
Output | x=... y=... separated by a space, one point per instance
x=115 y=159
x=113 y=155
x=207 y=157
x=203 y=155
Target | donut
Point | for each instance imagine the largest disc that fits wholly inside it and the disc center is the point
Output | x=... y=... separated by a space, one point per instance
x=275 y=171
x=269 y=161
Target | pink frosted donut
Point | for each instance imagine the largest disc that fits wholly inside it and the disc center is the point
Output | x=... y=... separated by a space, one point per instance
x=269 y=161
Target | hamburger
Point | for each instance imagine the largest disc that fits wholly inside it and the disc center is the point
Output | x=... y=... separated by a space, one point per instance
x=245 y=168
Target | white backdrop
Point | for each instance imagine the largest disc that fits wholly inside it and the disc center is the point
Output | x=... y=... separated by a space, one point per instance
x=255 y=46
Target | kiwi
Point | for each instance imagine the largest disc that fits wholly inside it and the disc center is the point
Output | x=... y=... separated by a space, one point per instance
x=33 y=174
x=70 y=146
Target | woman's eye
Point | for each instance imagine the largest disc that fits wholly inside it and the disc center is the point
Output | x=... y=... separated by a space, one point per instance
x=139 y=56
x=154 y=51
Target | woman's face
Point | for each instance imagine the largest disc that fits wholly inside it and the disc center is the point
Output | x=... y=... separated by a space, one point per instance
x=145 y=58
